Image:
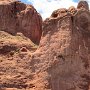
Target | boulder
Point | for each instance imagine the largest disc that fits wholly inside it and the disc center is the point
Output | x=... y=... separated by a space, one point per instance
x=72 y=10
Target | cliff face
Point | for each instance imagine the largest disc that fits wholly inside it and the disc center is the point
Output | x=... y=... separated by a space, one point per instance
x=18 y=17
x=62 y=60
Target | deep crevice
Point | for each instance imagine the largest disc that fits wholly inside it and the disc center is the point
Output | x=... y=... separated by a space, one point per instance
x=61 y=57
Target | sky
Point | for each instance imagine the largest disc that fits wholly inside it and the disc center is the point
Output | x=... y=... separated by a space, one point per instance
x=46 y=7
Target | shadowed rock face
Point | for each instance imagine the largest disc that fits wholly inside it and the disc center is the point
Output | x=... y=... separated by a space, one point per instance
x=83 y=4
x=62 y=61
x=16 y=17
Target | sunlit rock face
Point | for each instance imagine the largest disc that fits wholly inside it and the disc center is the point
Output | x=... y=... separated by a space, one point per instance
x=62 y=60
x=16 y=16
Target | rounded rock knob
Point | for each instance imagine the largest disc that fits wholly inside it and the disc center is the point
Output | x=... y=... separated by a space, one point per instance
x=83 y=5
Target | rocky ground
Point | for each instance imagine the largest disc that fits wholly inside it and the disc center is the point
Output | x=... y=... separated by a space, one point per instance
x=15 y=54
x=61 y=61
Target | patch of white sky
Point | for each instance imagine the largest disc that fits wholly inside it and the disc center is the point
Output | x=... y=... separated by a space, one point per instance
x=46 y=7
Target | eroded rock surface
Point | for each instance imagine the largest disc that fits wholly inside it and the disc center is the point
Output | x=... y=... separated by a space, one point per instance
x=16 y=16
x=83 y=5
x=62 y=60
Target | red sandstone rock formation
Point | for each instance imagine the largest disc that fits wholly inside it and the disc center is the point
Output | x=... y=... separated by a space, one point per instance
x=16 y=16
x=62 y=61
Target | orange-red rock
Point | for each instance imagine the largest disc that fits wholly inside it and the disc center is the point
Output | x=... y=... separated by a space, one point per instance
x=62 y=60
x=16 y=16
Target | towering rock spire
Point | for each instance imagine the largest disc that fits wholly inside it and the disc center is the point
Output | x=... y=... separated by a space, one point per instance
x=62 y=60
